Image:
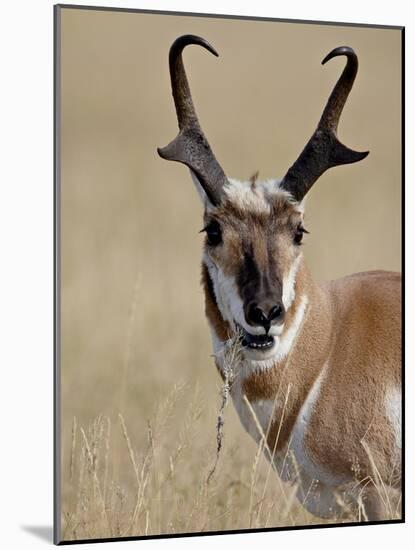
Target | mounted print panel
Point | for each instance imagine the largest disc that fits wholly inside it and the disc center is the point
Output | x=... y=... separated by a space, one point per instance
x=228 y=256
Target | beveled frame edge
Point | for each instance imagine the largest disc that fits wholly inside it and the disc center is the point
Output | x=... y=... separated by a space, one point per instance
x=56 y=275
x=57 y=272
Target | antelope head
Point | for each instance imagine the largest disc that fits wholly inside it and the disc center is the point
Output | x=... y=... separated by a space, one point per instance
x=254 y=229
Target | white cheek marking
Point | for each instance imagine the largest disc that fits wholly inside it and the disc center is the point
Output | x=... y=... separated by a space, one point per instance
x=227 y=297
x=220 y=301
x=288 y=288
x=393 y=404
x=231 y=306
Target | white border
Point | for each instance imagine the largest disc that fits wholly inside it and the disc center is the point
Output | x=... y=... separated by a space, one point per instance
x=26 y=266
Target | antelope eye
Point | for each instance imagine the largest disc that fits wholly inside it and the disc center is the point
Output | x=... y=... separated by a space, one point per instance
x=298 y=235
x=213 y=233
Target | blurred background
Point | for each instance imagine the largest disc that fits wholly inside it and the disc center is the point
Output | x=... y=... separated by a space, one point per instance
x=133 y=323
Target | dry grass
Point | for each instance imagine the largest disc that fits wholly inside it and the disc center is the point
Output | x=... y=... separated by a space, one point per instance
x=133 y=327
x=169 y=485
x=165 y=488
x=177 y=460
x=168 y=488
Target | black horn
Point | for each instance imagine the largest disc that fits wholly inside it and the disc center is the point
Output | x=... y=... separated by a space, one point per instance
x=191 y=146
x=324 y=150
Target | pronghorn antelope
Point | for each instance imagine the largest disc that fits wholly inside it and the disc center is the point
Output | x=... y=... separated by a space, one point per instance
x=320 y=363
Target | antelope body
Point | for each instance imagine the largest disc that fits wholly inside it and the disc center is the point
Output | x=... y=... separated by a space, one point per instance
x=319 y=363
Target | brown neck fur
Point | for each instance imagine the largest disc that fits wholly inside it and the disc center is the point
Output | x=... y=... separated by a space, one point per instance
x=295 y=373
x=343 y=329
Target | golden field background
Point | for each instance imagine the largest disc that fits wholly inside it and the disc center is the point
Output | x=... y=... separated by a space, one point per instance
x=134 y=340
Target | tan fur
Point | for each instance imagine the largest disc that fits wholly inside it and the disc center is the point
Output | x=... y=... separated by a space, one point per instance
x=364 y=362
x=239 y=224
x=352 y=330
x=299 y=369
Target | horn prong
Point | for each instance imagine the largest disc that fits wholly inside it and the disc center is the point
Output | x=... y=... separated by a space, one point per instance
x=324 y=150
x=190 y=146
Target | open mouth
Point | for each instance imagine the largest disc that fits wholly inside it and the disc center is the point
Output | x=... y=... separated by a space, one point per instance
x=261 y=342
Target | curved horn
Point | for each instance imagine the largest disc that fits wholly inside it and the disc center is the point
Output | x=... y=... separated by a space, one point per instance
x=324 y=150
x=191 y=146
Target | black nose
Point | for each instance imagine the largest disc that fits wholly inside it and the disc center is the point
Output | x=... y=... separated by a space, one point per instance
x=265 y=315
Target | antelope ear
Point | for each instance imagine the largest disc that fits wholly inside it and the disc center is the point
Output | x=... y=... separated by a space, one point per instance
x=301 y=205
x=207 y=205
